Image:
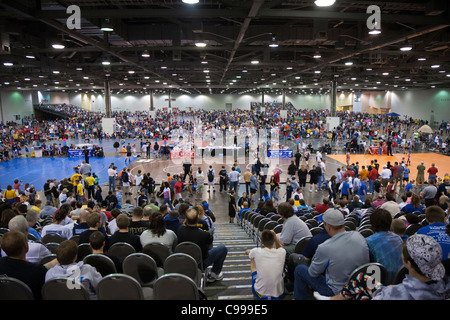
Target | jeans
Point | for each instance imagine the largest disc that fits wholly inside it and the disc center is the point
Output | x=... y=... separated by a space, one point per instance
x=319 y=182
x=168 y=202
x=216 y=257
x=303 y=281
x=112 y=183
x=233 y=185
x=273 y=194
x=371 y=186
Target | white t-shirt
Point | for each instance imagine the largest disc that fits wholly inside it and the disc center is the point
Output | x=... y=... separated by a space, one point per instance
x=269 y=267
x=64 y=231
x=385 y=174
x=169 y=239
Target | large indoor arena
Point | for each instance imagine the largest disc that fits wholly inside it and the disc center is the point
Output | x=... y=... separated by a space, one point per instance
x=236 y=151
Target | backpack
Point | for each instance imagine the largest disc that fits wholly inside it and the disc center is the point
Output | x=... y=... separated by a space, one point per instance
x=210 y=176
x=124 y=176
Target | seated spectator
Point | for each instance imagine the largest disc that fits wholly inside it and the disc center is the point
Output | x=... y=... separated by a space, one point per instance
x=385 y=247
x=94 y=221
x=306 y=255
x=355 y=204
x=82 y=224
x=112 y=225
x=78 y=272
x=15 y=245
x=97 y=243
x=36 y=250
x=268 y=207
x=32 y=217
x=48 y=210
x=437 y=228
x=426 y=278
x=398 y=226
x=244 y=207
x=137 y=225
x=302 y=205
x=267 y=267
x=390 y=205
x=332 y=263
x=414 y=206
x=206 y=220
x=123 y=234
x=172 y=221
x=379 y=201
x=214 y=256
x=157 y=232
x=56 y=226
x=293 y=228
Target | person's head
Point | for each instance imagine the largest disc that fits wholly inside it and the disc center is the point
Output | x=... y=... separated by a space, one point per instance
x=398 y=226
x=381 y=220
x=15 y=244
x=415 y=200
x=32 y=217
x=94 y=220
x=137 y=213
x=157 y=225
x=192 y=216
x=421 y=254
x=285 y=210
x=97 y=240
x=115 y=212
x=434 y=214
x=67 y=252
x=18 y=223
x=122 y=221
x=355 y=198
x=268 y=238
x=333 y=221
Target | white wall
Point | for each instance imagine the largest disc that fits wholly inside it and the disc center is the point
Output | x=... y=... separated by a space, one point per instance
x=15 y=102
x=419 y=104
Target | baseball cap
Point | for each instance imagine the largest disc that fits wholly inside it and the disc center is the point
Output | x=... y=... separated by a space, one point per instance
x=427 y=254
x=333 y=217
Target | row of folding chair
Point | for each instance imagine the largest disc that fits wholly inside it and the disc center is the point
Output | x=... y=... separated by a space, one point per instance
x=254 y=223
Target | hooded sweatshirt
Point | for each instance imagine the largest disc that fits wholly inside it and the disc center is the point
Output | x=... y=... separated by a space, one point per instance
x=413 y=289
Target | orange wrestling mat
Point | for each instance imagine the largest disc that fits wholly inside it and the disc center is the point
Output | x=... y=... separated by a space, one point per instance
x=440 y=161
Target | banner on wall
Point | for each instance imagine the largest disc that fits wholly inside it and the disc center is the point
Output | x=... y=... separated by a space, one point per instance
x=285 y=153
x=182 y=154
x=78 y=153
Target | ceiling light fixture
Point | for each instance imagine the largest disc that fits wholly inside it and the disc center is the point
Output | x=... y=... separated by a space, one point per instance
x=254 y=61
x=58 y=46
x=191 y=1
x=200 y=44
x=435 y=66
x=375 y=31
x=145 y=54
x=406 y=48
x=324 y=3
x=107 y=26
x=8 y=64
x=349 y=63
x=317 y=56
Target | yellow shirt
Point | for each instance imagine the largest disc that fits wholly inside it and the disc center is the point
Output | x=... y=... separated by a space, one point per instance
x=90 y=181
x=76 y=177
x=80 y=189
x=10 y=194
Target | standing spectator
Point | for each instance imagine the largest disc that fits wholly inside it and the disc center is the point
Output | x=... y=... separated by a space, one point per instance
x=234 y=179
x=432 y=172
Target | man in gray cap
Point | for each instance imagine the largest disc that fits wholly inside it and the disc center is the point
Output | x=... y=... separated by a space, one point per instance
x=334 y=261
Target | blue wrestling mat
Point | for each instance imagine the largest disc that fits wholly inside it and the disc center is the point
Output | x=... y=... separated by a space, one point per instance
x=36 y=171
